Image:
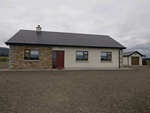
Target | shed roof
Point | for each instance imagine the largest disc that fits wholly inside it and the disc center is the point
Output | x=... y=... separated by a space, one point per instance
x=126 y=54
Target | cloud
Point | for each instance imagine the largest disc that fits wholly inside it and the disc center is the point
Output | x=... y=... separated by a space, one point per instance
x=126 y=21
x=144 y=49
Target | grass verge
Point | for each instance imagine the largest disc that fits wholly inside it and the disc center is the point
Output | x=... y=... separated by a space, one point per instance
x=3 y=63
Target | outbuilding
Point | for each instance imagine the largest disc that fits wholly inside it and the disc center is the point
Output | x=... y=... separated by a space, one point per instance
x=132 y=58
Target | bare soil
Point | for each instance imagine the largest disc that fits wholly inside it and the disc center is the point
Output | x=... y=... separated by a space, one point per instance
x=76 y=91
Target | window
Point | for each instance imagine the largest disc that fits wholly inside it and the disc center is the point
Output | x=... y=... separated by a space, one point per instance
x=82 y=55
x=106 y=56
x=60 y=52
x=54 y=59
x=54 y=55
x=31 y=54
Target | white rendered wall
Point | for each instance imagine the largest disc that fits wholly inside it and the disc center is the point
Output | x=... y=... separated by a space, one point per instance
x=94 y=57
x=125 y=60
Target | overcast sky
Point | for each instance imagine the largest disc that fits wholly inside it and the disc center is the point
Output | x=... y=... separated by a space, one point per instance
x=127 y=21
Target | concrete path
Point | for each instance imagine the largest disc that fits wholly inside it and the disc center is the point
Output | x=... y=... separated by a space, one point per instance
x=7 y=69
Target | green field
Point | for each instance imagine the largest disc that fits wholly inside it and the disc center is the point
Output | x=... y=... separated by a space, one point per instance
x=7 y=58
x=4 y=57
x=3 y=63
x=147 y=62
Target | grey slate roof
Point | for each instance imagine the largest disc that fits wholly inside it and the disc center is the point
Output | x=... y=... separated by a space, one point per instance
x=126 y=54
x=63 y=39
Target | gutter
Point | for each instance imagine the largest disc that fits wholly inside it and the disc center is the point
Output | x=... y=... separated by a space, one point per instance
x=119 y=58
x=128 y=60
x=13 y=43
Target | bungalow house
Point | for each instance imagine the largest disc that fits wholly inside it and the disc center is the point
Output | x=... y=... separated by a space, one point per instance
x=46 y=50
x=132 y=58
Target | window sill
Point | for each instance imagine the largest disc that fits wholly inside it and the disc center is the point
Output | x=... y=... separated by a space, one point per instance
x=30 y=60
x=106 y=61
x=82 y=61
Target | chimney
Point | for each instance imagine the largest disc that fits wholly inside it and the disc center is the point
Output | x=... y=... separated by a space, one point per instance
x=38 y=29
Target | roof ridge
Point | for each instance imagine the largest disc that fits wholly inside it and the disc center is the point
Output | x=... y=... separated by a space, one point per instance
x=67 y=32
x=128 y=51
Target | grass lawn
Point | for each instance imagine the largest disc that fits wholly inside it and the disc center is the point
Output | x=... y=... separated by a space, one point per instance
x=148 y=62
x=3 y=63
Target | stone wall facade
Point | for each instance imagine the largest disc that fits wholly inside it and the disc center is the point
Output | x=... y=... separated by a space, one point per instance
x=121 y=58
x=16 y=57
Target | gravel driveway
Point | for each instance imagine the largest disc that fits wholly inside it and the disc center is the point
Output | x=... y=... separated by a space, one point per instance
x=76 y=91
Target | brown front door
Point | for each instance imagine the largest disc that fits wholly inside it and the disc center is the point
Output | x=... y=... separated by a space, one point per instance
x=60 y=59
x=134 y=60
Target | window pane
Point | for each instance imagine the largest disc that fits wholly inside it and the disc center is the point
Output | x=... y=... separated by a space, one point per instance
x=26 y=51
x=109 y=57
x=26 y=56
x=79 y=55
x=54 y=64
x=54 y=55
x=60 y=52
x=85 y=52
x=103 y=55
x=34 y=54
x=109 y=53
x=85 y=57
